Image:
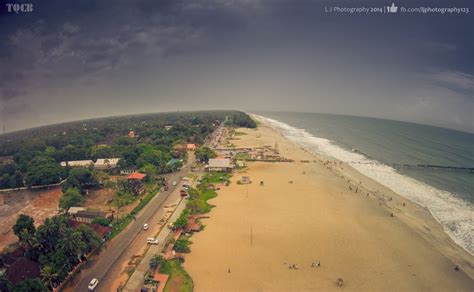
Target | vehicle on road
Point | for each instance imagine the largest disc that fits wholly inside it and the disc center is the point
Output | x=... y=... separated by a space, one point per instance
x=145 y=226
x=93 y=283
x=174 y=183
x=152 y=240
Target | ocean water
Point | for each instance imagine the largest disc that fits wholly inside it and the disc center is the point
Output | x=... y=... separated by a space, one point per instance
x=433 y=167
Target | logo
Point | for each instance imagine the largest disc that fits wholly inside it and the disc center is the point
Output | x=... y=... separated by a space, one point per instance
x=392 y=9
x=17 y=8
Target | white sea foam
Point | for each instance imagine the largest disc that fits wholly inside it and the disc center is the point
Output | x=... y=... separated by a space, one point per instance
x=454 y=214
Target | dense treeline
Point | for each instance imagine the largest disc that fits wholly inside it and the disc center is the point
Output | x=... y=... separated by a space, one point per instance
x=37 y=152
x=56 y=246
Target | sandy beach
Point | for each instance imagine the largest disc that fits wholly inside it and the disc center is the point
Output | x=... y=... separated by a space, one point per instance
x=317 y=210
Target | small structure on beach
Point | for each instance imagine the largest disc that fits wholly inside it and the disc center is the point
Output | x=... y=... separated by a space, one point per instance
x=245 y=180
x=223 y=165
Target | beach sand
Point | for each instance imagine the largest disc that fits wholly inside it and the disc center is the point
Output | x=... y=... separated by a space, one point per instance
x=256 y=232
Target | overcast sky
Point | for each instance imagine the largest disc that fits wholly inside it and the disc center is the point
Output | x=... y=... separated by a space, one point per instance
x=69 y=60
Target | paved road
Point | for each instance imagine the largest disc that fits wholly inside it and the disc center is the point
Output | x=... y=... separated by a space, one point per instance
x=117 y=246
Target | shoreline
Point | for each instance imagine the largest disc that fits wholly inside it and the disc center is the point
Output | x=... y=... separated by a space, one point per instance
x=412 y=229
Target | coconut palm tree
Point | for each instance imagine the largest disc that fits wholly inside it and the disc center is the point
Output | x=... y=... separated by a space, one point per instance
x=48 y=274
x=72 y=244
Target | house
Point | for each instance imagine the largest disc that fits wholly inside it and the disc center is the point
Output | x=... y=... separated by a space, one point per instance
x=217 y=164
x=4 y=160
x=135 y=181
x=191 y=147
x=167 y=128
x=106 y=163
x=78 y=163
x=131 y=134
x=22 y=269
x=81 y=214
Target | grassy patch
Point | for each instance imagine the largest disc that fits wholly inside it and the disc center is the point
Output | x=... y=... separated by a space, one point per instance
x=214 y=177
x=242 y=156
x=178 y=279
x=120 y=225
x=237 y=133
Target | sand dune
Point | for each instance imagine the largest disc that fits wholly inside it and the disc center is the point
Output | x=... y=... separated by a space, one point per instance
x=259 y=231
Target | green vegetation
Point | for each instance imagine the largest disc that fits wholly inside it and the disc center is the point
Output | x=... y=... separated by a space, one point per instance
x=182 y=245
x=177 y=274
x=56 y=246
x=70 y=198
x=203 y=154
x=242 y=156
x=182 y=220
x=38 y=152
x=156 y=261
x=101 y=221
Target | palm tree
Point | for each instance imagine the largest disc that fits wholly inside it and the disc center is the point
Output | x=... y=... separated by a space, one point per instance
x=48 y=274
x=72 y=244
x=28 y=240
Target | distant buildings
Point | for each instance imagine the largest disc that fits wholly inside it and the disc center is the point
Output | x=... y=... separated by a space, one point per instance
x=131 y=134
x=78 y=163
x=167 y=128
x=101 y=163
x=220 y=164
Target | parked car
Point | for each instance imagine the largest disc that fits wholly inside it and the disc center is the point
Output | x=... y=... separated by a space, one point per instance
x=152 y=240
x=145 y=226
x=93 y=283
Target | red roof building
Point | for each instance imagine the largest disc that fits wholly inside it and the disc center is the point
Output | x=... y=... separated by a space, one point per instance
x=102 y=231
x=191 y=147
x=136 y=176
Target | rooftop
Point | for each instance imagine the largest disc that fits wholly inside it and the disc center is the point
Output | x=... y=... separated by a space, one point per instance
x=222 y=163
x=137 y=176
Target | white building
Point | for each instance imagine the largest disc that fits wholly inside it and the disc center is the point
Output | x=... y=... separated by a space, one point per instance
x=77 y=163
x=104 y=163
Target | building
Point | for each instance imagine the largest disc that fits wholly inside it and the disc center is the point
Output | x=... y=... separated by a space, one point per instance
x=131 y=134
x=191 y=147
x=4 y=160
x=81 y=214
x=106 y=163
x=167 y=128
x=78 y=163
x=217 y=164
x=128 y=171
x=135 y=181
x=245 y=180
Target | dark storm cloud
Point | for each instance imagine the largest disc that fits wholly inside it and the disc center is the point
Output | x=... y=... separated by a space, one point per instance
x=114 y=57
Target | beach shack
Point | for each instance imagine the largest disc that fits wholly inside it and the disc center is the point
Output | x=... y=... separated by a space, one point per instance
x=219 y=164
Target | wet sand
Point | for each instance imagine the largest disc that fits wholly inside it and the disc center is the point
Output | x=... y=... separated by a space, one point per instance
x=258 y=232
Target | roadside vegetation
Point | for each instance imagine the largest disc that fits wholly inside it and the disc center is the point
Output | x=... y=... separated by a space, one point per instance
x=179 y=279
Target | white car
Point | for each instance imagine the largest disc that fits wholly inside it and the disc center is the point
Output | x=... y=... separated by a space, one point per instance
x=174 y=183
x=151 y=240
x=145 y=226
x=94 y=282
